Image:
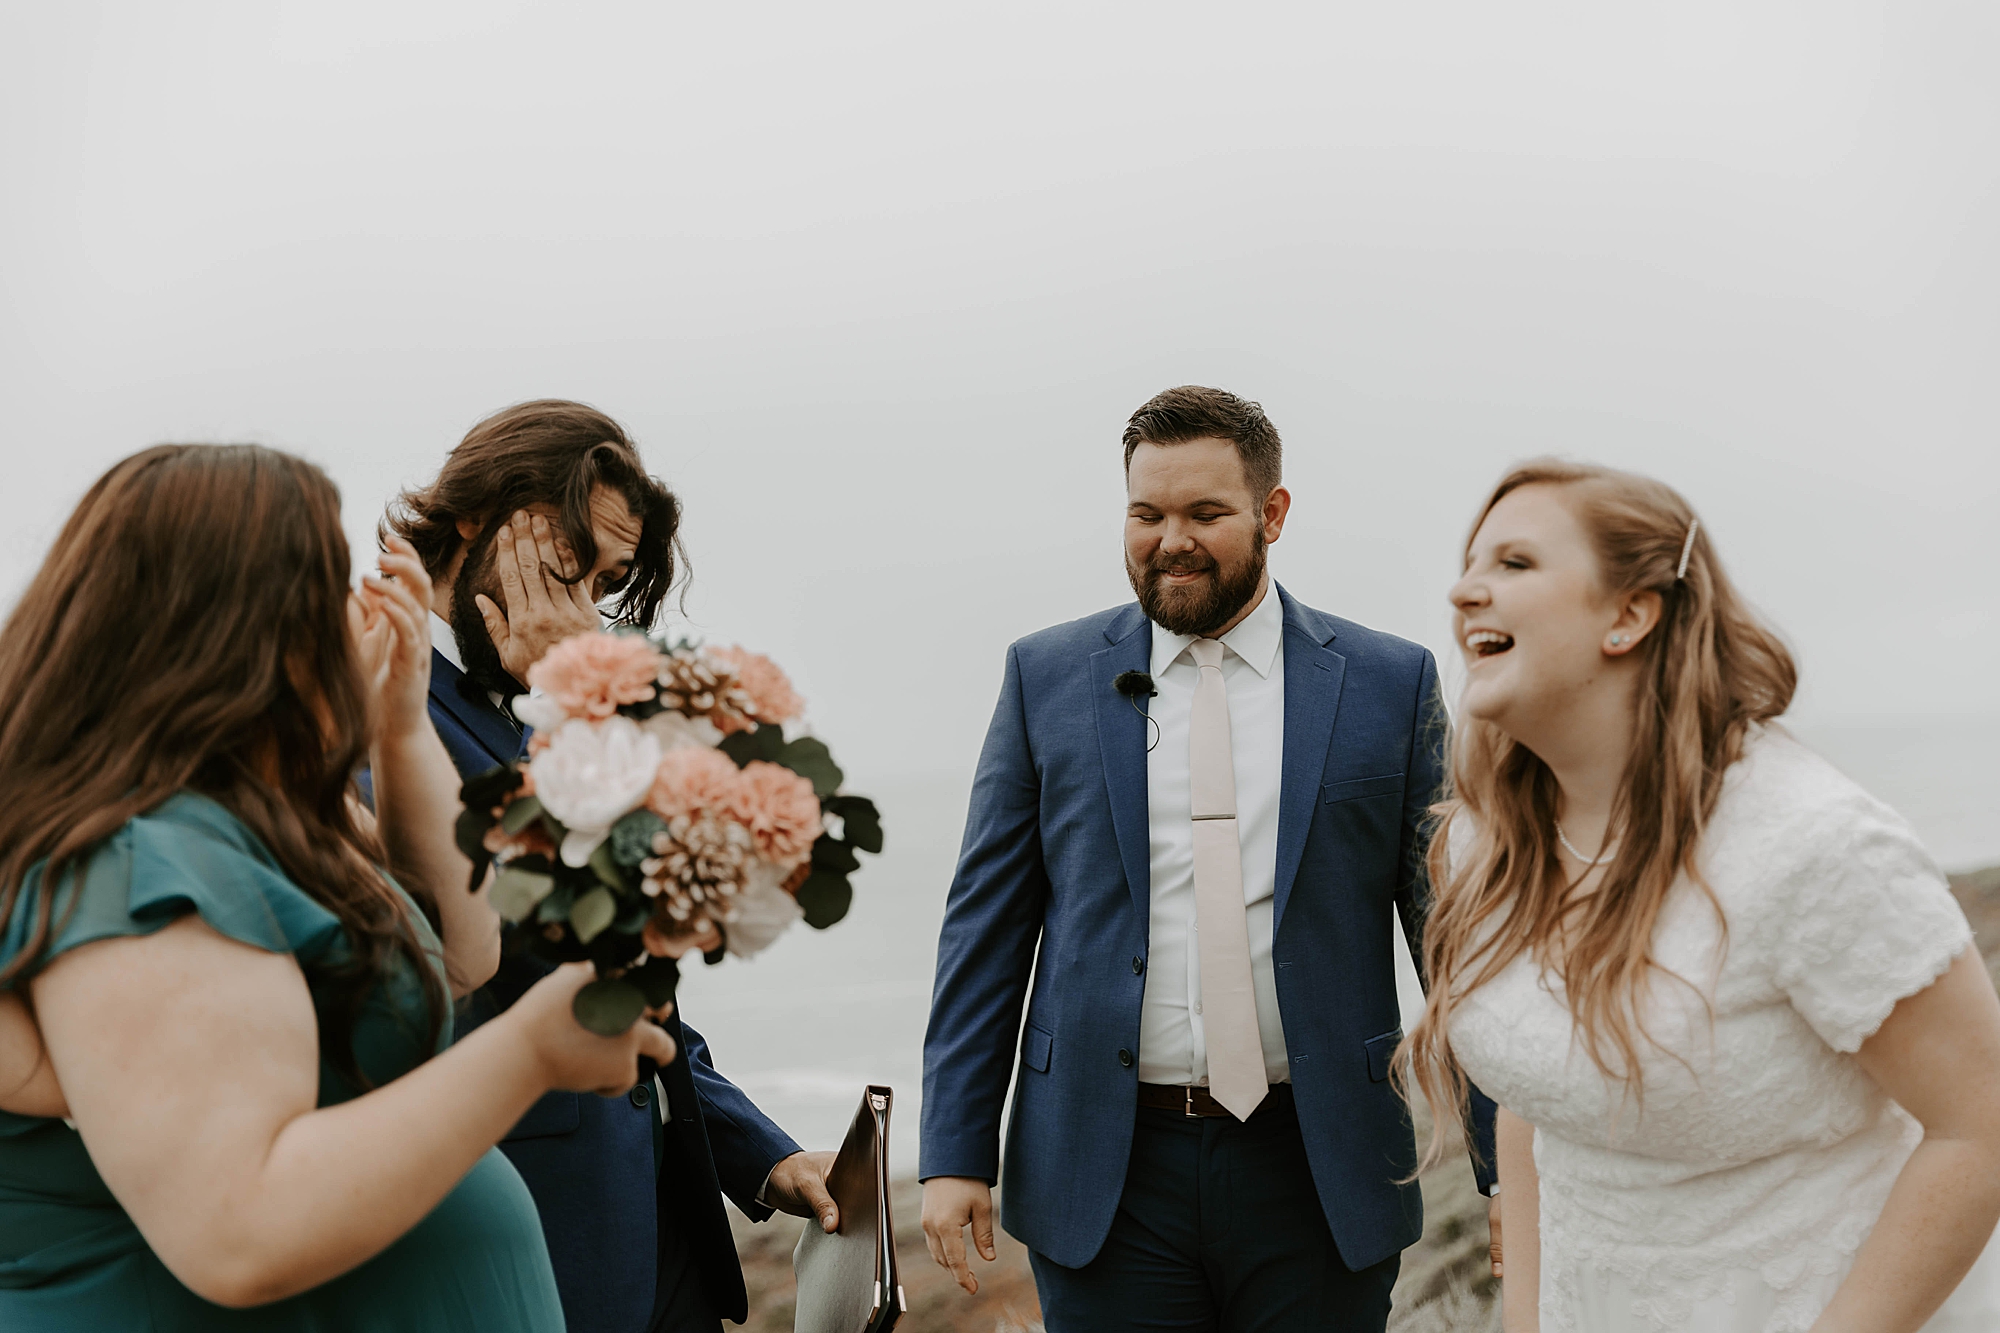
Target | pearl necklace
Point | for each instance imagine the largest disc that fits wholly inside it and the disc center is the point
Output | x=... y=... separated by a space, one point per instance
x=1590 y=863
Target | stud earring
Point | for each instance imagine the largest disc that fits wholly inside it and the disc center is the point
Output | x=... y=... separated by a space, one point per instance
x=1618 y=641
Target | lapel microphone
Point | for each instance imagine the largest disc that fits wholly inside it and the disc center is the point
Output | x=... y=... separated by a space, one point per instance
x=1137 y=685
x=1133 y=684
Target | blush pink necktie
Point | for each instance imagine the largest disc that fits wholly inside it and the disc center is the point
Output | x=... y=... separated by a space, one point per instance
x=1228 y=1001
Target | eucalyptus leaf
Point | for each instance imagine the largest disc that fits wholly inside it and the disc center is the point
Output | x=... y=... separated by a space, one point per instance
x=516 y=892
x=656 y=978
x=556 y=906
x=745 y=747
x=863 y=821
x=592 y=913
x=489 y=788
x=521 y=813
x=469 y=831
x=606 y=865
x=825 y=898
x=810 y=759
x=608 y=1008
x=611 y=952
x=835 y=856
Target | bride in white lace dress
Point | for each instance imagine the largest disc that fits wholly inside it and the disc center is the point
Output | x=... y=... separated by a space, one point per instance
x=1640 y=871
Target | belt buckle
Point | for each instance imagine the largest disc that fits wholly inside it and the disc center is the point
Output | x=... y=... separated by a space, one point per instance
x=1190 y=1113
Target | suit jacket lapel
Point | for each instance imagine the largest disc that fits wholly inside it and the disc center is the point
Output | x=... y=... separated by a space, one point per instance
x=488 y=725
x=1313 y=676
x=1121 y=739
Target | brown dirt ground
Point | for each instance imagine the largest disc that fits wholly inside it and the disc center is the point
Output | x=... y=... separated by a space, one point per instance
x=1445 y=1286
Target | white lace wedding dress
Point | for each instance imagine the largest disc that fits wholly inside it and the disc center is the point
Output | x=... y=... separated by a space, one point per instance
x=1736 y=1199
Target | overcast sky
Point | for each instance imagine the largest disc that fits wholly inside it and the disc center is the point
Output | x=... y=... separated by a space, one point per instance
x=875 y=287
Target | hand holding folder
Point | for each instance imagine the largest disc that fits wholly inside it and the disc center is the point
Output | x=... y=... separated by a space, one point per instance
x=847 y=1280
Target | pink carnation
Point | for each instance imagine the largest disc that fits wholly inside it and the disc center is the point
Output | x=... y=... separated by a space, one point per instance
x=781 y=812
x=590 y=675
x=692 y=780
x=771 y=698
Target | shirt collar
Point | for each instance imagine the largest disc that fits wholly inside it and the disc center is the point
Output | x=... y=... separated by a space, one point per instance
x=445 y=641
x=1255 y=639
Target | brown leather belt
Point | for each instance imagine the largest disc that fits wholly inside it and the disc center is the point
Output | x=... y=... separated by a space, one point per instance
x=1193 y=1102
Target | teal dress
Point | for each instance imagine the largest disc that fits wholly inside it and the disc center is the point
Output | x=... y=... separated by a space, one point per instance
x=70 y=1258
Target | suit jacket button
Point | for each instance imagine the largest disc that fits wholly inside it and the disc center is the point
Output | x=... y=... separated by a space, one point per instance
x=1125 y=1058
x=1138 y=966
x=642 y=1095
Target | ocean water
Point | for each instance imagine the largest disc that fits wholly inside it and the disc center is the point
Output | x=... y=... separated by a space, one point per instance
x=804 y=1026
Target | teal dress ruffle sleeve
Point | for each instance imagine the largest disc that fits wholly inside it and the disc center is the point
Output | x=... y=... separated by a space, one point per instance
x=70 y=1257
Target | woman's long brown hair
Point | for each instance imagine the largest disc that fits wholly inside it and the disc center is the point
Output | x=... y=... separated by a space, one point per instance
x=1711 y=672
x=188 y=632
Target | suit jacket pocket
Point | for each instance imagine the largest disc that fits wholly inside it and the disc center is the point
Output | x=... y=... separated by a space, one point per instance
x=1379 y=1050
x=1356 y=788
x=556 y=1113
x=1036 y=1044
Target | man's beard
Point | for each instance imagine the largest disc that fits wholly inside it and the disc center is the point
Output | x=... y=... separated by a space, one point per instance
x=477 y=577
x=1198 y=609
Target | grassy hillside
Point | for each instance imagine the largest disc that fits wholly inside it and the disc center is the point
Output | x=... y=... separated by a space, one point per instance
x=1445 y=1286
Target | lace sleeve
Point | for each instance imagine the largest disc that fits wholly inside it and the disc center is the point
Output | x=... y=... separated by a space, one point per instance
x=1868 y=919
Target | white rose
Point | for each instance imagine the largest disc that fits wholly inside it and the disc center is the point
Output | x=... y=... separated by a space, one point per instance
x=678 y=731
x=539 y=711
x=761 y=911
x=591 y=774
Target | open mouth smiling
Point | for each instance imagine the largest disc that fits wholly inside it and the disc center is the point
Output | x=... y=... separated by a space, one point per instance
x=1488 y=642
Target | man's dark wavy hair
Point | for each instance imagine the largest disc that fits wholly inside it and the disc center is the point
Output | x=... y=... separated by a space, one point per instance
x=549 y=451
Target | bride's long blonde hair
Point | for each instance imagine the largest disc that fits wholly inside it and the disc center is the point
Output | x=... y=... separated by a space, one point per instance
x=1711 y=671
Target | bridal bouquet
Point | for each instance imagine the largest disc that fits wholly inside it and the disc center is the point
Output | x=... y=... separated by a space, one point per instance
x=661 y=803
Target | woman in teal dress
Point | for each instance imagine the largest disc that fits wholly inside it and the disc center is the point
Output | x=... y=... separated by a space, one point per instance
x=225 y=1098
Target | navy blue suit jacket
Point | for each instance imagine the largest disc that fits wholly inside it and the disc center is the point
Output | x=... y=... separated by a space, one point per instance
x=589 y=1160
x=1053 y=883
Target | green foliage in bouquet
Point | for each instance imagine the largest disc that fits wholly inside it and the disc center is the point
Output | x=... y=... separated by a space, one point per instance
x=645 y=871
x=826 y=894
x=593 y=913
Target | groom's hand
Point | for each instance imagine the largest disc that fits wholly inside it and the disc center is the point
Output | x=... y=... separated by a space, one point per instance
x=798 y=1186
x=532 y=559
x=952 y=1203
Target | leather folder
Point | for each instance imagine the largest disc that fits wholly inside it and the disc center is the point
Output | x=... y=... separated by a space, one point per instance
x=847 y=1280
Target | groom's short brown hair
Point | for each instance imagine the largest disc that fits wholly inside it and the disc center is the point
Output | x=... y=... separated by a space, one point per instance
x=549 y=452
x=1192 y=412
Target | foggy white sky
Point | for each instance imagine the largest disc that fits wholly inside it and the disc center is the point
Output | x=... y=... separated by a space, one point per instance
x=876 y=285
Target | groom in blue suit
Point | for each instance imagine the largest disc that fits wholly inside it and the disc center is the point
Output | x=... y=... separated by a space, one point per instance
x=1191 y=821
x=542 y=513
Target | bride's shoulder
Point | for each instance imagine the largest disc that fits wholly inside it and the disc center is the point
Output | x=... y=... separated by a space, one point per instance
x=1787 y=816
x=1779 y=787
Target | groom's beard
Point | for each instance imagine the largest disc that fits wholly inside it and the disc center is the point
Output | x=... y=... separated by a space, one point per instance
x=477 y=577
x=1197 y=609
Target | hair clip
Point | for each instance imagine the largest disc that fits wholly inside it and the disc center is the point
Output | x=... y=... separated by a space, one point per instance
x=1687 y=549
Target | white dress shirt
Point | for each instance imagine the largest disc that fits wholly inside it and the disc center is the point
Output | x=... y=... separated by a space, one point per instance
x=445 y=640
x=1172 y=1048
